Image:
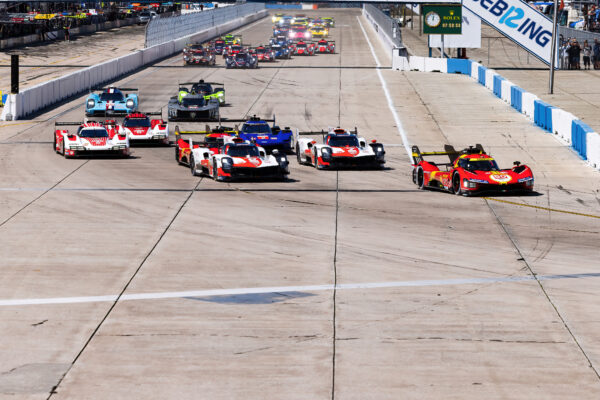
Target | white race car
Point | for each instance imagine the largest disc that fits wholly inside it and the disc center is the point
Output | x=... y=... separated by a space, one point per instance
x=91 y=138
x=139 y=127
x=340 y=148
x=235 y=158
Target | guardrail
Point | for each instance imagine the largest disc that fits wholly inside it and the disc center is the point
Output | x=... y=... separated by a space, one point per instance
x=45 y=94
x=161 y=30
x=566 y=127
x=387 y=28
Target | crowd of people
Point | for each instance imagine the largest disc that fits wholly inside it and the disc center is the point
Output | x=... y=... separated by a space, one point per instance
x=571 y=52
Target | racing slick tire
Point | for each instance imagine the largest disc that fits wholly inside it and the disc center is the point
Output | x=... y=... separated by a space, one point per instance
x=62 y=150
x=298 y=156
x=193 y=166
x=54 y=145
x=456 y=184
x=419 y=178
x=215 y=172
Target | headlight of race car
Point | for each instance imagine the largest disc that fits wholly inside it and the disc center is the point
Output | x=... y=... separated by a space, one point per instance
x=91 y=103
x=227 y=164
x=129 y=103
x=528 y=181
x=478 y=180
x=326 y=153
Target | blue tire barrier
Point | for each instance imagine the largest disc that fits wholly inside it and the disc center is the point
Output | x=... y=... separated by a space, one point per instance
x=481 y=73
x=516 y=98
x=542 y=115
x=579 y=132
x=498 y=85
x=459 y=66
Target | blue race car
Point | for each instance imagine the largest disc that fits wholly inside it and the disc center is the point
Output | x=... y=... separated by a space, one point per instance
x=111 y=101
x=281 y=51
x=271 y=138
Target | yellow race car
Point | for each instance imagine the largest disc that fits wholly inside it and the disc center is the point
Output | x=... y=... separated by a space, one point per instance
x=276 y=18
x=319 y=32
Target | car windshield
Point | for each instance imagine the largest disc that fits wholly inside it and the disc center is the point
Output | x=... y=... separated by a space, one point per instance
x=93 y=133
x=111 y=97
x=219 y=43
x=478 y=165
x=301 y=45
x=193 y=101
x=236 y=48
x=198 y=49
x=276 y=48
x=202 y=88
x=242 y=151
x=240 y=56
x=256 y=128
x=341 y=141
x=260 y=51
x=322 y=41
x=136 y=122
x=145 y=14
x=317 y=29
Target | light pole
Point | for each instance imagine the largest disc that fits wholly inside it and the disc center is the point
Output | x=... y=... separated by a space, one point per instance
x=553 y=50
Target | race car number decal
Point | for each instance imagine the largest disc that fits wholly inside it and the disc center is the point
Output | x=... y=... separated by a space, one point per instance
x=353 y=151
x=500 y=178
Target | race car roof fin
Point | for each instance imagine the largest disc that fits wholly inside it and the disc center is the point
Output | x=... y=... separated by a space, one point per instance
x=70 y=123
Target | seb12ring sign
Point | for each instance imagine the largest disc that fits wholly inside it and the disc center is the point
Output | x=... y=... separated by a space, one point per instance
x=442 y=19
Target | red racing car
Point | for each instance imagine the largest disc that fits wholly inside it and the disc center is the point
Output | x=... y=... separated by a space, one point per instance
x=304 y=49
x=469 y=171
x=324 y=46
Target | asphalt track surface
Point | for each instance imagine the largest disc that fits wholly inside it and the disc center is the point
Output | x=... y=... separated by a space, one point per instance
x=132 y=279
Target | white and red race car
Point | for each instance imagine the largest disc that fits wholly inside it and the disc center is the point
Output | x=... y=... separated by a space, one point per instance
x=91 y=138
x=139 y=127
x=226 y=158
x=340 y=148
x=304 y=49
x=324 y=46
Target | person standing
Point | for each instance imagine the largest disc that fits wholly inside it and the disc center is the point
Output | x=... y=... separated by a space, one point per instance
x=587 y=53
x=576 y=54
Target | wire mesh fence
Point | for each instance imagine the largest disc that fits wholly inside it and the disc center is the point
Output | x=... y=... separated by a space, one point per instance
x=161 y=30
x=388 y=24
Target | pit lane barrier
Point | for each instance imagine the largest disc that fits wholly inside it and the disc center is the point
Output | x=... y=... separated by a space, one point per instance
x=40 y=96
x=567 y=128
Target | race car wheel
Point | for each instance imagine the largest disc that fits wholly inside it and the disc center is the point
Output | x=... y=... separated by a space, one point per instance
x=193 y=165
x=456 y=186
x=420 y=178
x=54 y=145
x=215 y=172
x=62 y=149
x=298 y=156
x=317 y=165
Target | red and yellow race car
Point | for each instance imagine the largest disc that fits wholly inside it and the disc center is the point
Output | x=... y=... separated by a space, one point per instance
x=469 y=171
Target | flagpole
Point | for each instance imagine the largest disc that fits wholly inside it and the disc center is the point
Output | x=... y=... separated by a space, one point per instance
x=553 y=50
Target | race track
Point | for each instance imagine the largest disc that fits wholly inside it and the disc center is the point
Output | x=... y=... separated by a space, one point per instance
x=331 y=285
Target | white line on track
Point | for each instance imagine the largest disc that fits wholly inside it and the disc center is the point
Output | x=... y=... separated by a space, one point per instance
x=287 y=289
x=387 y=94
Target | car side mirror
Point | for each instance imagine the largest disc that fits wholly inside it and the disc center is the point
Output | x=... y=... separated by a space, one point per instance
x=517 y=163
x=275 y=152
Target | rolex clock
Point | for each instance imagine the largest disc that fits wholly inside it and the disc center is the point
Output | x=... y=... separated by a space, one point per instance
x=432 y=19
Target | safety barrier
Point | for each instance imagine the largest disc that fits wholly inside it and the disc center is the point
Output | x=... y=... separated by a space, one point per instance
x=567 y=128
x=38 y=97
x=161 y=30
x=387 y=28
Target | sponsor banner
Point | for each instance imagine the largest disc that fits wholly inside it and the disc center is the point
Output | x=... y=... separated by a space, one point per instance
x=519 y=22
x=470 y=37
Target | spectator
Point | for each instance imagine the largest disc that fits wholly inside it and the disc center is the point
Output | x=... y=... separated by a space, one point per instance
x=587 y=53
x=574 y=55
x=596 y=53
x=66 y=30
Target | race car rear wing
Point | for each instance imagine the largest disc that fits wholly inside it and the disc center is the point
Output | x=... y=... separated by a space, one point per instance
x=449 y=151
x=194 y=83
x=323 y=132
x=96 y=89
x=77 y=123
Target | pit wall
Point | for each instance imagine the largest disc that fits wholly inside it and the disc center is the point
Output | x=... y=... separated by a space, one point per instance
x=38 y=97
x=566 y=127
